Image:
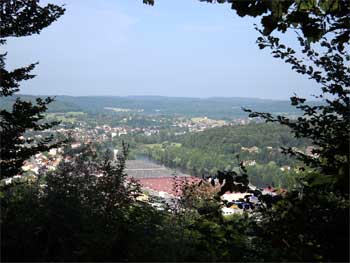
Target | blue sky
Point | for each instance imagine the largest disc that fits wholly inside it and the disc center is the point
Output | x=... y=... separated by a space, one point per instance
x=176 y=48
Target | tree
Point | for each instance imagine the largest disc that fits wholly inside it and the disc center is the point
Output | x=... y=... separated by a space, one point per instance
x=19 y=19
x=307 y=215
x=76 y=212
x=328 y=124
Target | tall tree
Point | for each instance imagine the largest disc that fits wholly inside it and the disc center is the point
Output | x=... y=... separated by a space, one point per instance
x=22 y=18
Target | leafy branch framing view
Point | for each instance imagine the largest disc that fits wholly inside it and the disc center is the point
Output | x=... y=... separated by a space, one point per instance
x=89 y=210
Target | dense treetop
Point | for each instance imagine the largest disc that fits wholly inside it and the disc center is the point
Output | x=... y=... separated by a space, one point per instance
x=26 y=17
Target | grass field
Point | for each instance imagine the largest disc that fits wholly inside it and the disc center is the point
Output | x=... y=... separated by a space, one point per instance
x=67 y=117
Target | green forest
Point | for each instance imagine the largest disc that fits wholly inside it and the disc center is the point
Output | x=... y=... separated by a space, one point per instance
x=259 y=146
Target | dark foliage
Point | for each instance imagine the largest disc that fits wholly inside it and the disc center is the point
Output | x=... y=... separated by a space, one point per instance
x=18 y=19
x=312 y=222
x=67 y=214
x=87 y=211
x=327 y=125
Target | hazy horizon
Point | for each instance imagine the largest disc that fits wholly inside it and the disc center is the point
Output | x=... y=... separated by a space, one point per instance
x=175 y=48
x=155 y=96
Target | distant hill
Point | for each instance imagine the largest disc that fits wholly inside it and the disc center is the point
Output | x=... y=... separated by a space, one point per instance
x=155 y=105
x=60 y=105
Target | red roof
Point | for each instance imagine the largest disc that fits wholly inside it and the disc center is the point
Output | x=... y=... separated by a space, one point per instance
x=166 y=184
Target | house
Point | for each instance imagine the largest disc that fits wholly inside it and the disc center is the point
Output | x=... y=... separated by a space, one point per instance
x=285 y=168
x=253 y=149
x=310 y=151
x=229 y=197
x=30 y=167
x=53 y=152
x=269 y=191
x=75 y=145
x=249 y=163
x=227 y=211
x=142 y=198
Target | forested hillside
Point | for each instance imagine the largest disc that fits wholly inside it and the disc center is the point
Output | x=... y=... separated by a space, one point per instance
x=226 y=139
x=226 y=108
x=258 y=146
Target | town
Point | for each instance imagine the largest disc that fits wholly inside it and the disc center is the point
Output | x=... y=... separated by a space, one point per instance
x=156 y=179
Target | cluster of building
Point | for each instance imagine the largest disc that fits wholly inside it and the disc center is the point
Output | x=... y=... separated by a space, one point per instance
x=48 y=161
x=158 y=183
x=237 y=202
x=198 y=124
x=39 y=162
x=100 y=134
x=161 y=187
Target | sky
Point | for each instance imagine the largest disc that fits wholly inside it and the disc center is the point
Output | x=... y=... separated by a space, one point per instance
x=181 y=48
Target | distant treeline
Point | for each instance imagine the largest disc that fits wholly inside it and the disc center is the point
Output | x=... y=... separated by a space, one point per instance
x=225 y=108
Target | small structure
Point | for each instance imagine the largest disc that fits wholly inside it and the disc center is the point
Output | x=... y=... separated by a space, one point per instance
x=227 y=211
